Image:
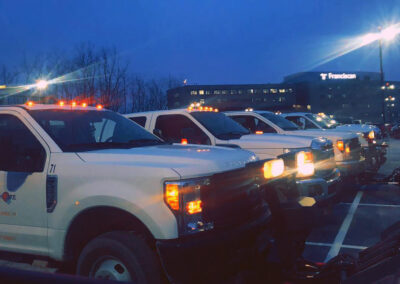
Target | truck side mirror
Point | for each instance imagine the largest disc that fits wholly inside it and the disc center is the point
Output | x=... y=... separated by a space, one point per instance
x=157 y=132
x=30 y=161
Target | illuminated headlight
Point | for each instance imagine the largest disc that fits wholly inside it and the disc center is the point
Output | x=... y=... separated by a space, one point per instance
x=340 y=145
x=305 y=164
x=273 y=168
x=183 y=198
x=371 y=135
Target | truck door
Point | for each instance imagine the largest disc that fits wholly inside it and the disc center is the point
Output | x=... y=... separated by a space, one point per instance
x=23 y=216
x=253 y=124
x=302 y=122
x=177 y=128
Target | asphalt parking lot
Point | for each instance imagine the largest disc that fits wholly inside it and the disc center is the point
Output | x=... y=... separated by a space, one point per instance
x=357 y=221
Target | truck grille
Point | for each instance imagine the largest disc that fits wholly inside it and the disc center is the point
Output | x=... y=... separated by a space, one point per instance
x=234 y=197
x=324 y=159
x=355 y=149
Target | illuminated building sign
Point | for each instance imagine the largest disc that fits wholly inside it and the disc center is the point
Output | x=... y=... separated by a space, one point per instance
x=333 y=76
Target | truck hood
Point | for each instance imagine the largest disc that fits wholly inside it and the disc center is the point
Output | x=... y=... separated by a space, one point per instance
x=357 y=128
x=333 y=135
x=271 y=141
x=186 y=160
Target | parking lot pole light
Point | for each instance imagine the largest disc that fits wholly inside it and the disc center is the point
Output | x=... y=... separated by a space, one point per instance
x=382 y=76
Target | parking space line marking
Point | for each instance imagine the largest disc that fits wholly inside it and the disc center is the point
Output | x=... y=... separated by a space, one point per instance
x=330 y=245
x=376 y=205
x=337 y=243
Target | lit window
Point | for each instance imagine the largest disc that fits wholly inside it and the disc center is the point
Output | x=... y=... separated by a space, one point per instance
x=233 y=92
x=265 y=91
x=202 y=101
x=224 y=92
x=274 y=91
x=240 y=92
x=193 y=93
x=201 y=92
x=208 y=92
x=290 y=90
x=308 y=107
x=217 y=92
x=282 y=91
x=250 y=91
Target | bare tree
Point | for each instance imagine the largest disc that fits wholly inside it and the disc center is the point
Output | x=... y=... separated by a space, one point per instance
x=7 y=76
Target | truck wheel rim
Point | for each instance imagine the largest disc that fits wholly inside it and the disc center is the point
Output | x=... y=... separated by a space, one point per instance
x=109 y=268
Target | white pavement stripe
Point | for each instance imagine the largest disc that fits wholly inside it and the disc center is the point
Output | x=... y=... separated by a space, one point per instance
x=329 y=245
x=375 y=204
x=337 y=243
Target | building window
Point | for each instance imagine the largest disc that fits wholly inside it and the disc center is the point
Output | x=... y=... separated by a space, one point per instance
x=274 y=91
x=250 y=91
x=224 y=92
x=202 y=101
x=233 y=92
x=290 y=90
x=217 y=92
x=265 y=91
x=282 y=91
x=308 y=107
x=201 y=92
x=329 y=96
x=193 y=93
x=240 y=92
x=208 y=92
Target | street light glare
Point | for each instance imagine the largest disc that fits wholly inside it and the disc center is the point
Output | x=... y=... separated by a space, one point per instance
x=390 y=32
x=41 y=84
x=369 y=38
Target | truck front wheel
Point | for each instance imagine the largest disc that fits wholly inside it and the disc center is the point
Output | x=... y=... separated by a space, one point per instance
x=119 y=256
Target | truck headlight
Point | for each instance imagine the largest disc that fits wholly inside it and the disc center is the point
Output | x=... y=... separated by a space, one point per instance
x=340 y=145
x=371 y=135
x=184 y=199
x=273 y=168
x=305 y=164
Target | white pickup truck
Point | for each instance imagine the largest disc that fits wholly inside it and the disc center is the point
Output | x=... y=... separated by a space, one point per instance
x=346 y=146
x=370 y=137
x=203 y=125
x=88 y=188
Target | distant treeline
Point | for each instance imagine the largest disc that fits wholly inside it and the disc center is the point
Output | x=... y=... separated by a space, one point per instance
x=92 y=74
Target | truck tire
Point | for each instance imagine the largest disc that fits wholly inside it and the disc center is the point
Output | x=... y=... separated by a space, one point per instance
x=120 y=256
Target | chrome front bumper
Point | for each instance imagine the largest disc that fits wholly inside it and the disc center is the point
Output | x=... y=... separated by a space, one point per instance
x=351 y=168
x=319 y=188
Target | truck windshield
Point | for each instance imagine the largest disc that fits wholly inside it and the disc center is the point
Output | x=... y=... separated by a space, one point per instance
x=321 y=121
x=86 y=130
x=281 y=122
x=220 y=125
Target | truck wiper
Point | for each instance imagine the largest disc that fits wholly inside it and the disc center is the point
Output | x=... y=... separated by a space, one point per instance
x=97 y=146
x=232 y=134
x=145 y=141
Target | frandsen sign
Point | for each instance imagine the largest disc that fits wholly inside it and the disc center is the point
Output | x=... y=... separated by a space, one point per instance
x=333 y=76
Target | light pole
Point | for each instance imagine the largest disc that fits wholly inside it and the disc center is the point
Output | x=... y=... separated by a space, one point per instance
x=382 y=75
